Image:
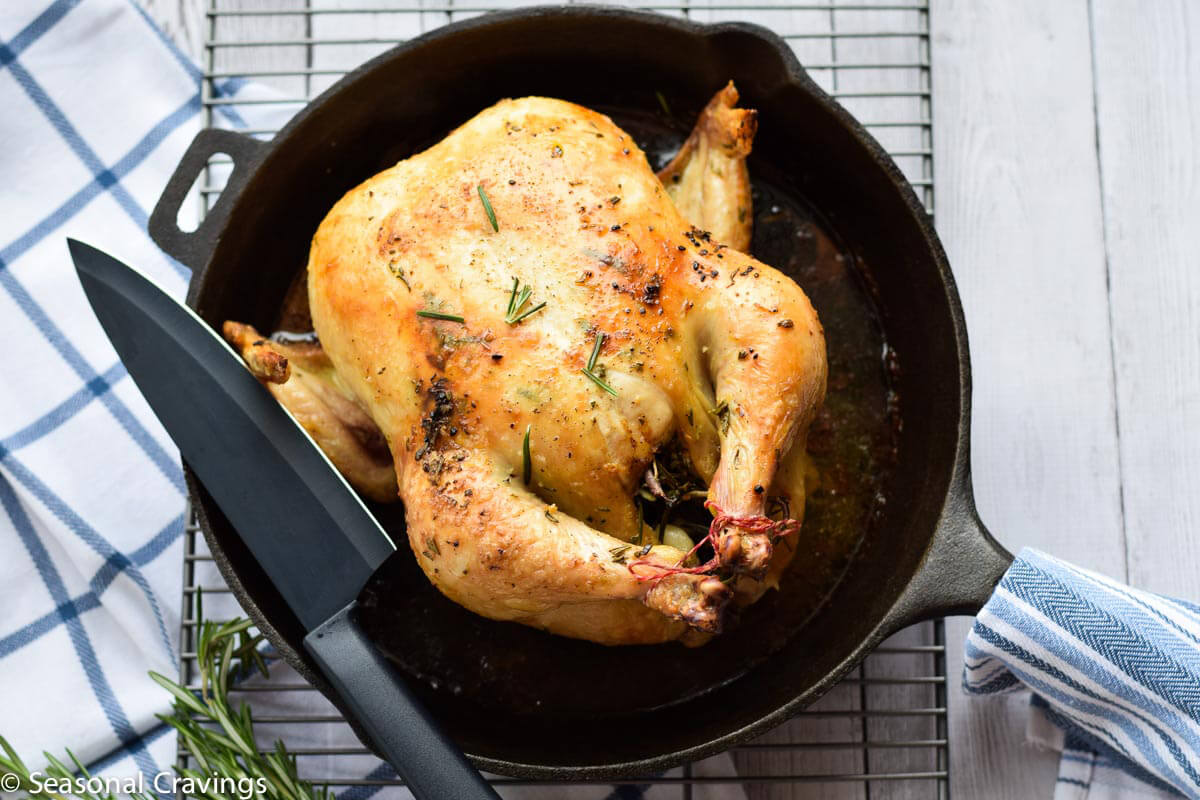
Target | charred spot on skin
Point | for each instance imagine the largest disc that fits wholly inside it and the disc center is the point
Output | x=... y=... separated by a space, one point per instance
x=431 y=547
x=437 y=418
x=786 y=323
x=652 y=291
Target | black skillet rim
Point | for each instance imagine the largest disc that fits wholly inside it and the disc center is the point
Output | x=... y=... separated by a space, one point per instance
x=904 y=609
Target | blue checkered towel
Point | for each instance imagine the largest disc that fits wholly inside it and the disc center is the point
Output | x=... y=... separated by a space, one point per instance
x=98 y=107
x=1115 y=674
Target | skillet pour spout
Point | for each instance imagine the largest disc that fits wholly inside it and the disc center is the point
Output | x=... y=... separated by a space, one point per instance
x=833 y=206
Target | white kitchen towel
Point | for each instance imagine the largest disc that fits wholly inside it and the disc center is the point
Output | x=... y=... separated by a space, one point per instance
x=1115 y=674
x=98 y=107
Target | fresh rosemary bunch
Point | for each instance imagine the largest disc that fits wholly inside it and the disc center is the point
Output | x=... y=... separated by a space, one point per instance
x=218 y=736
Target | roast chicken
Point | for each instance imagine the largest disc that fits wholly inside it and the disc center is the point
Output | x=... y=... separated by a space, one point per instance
x=516 y=325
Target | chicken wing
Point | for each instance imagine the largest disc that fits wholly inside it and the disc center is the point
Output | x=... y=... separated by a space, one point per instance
x=303 y=380
x=708 y=179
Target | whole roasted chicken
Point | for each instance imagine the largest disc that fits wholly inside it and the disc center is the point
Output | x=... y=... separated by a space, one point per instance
x=516 y=324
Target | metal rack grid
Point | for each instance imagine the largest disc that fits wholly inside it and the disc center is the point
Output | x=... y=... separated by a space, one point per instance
x=882 y=732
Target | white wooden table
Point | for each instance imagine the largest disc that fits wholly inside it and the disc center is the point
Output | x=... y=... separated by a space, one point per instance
x=1066 y=139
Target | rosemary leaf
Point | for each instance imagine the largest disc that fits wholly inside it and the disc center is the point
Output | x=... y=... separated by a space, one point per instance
x=600 y=337
x=512 y=298
x=182 y=696
x=526 y=460
x=662 y=101
x=596 y=380
x=487 y=206
x=439 y=315
x=528 y=313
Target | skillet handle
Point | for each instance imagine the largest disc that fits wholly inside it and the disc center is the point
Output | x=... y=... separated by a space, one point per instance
x=960 y=570
x=431 y=764
x=194 y=249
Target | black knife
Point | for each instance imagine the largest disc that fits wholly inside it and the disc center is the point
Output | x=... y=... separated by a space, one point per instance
x=305 y=526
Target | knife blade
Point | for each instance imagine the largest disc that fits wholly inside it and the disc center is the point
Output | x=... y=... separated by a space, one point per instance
x=302 y=522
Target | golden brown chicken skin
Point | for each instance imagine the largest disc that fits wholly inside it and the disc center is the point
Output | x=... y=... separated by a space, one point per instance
x=686 y=337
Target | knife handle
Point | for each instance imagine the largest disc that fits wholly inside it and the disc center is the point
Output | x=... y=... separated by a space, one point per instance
x=431 y=764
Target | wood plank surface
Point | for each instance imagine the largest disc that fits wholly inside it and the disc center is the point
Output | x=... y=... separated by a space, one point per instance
x=1018 y=208
x=1148 y=115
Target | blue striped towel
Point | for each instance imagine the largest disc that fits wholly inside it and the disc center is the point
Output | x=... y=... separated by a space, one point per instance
x=98 y=107
x=1114 y=671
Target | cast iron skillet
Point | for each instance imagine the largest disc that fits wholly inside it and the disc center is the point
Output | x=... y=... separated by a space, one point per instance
x=524 y=703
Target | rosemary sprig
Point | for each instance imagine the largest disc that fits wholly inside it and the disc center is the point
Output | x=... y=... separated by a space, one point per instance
x=589 y=370
x=487 y=206
x=517 y=300
x=526 y=459
x=218 y=737
x=440 y=315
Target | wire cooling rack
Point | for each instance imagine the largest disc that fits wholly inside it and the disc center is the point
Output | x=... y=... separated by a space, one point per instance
x=882 y=732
